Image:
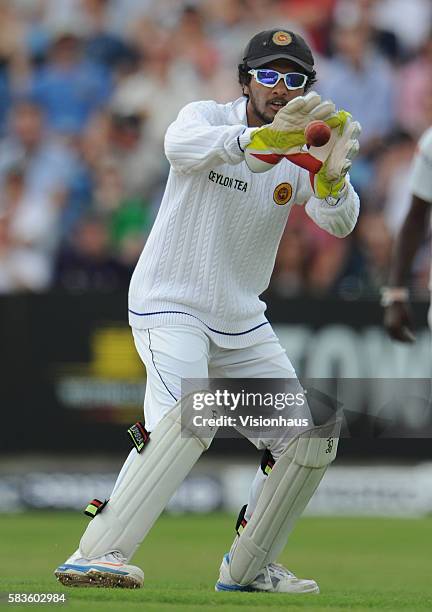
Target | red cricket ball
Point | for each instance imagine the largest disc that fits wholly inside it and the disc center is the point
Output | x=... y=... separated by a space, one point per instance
x=317 y=133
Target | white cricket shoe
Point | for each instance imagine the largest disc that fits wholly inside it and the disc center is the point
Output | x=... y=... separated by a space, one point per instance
x=107 y=571
x=274 y=578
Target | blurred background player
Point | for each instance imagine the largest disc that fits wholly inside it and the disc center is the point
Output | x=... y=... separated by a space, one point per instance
x=194 y=307
x=395 y=297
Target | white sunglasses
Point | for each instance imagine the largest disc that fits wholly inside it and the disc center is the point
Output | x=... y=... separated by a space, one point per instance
x=270 y=78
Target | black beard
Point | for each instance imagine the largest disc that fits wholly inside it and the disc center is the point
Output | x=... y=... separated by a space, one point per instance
x=261 y=116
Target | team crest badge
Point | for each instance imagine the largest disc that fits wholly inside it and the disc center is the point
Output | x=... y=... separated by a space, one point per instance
x=282 y=38
x=282 y=194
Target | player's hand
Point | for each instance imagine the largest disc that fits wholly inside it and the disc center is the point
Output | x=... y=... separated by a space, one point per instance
x=398 y=322
x=299 y=112
x=337 y=156
x=284 y=137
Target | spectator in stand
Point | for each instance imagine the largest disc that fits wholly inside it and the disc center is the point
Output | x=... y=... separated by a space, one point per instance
x=390 y=191
x=409 y=20
x=68 y=87
x=86 y=264
x=309 y=259
x=115 y=161
x=228 y=22
x=362 y=13
x=328 y=268
x=414 y=102
x=267 y=14
x=230 y=28
x=49 y=165
x=161 y=85
x=124 y=15
x=356 y=77
x=293 y=257
x=28 y=235
x=193 y=45
x=101 y=45
x=131 y=146
x=128 y=218
x=13 y=60
x=313 y=17
x=375 y=242
x=57 y=13
x=5 y=94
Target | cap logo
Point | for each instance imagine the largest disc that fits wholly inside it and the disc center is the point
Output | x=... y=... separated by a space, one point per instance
x=282 y=38
x=282 y=194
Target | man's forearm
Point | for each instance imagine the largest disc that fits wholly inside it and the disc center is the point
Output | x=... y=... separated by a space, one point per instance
x=409 y=239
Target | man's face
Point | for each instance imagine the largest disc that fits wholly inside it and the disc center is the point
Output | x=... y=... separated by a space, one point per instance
x=27 y=124
x=265 y=102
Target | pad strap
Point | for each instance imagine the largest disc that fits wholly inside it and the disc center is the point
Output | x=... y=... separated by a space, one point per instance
x=267 y=462
x=95 y=507
x=139 y=435
x=241 y=521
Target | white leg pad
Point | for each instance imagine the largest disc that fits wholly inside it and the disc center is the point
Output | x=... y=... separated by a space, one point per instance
x=148 y=484
x=285 y=495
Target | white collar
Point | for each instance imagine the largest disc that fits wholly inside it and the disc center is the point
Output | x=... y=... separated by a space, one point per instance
x=237 y=112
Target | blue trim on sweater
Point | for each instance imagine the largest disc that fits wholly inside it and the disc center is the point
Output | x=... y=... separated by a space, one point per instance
x=148 y=314
x=238 y=141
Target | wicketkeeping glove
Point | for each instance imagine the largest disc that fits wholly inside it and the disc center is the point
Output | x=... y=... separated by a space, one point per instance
x=336 y=156
x=284 y=137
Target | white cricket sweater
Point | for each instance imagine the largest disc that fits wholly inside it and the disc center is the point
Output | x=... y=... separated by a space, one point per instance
x=212 y=248
x=421 y=175
x=421 y=181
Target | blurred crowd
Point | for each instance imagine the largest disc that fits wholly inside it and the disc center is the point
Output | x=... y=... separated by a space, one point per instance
x=88 y=88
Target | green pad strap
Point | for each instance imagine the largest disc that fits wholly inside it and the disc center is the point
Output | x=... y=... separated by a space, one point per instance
x=95 y=507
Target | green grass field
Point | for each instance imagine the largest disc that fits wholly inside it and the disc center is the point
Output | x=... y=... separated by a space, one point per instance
x=362 y=564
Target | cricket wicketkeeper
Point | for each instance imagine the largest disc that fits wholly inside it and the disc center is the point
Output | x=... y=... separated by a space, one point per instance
x=237 y=169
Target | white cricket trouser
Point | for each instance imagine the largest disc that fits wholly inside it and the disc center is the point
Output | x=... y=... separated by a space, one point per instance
x=177 y=352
